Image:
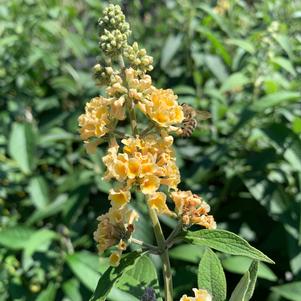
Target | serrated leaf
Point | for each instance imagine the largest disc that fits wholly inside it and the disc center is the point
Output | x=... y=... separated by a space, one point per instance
x=239 y=264
x=290 y=291
x=170 y=48
x=22 y=146
x=113 y=274
x=227 y=242
x=143 y=275
x=211 y=276
x=275 y=99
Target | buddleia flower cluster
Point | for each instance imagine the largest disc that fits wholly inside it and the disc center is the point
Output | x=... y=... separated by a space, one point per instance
x=142 y=158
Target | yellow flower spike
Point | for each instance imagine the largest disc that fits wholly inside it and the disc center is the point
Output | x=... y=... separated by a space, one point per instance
x=157 y=201
x=119 y=197
x=199 y=295
x=114 y=259
x=149 y=184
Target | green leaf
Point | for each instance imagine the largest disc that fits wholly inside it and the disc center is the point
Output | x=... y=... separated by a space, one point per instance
x=211 y=276
x=138 y=278
x=245 y=287
x=220 y=20
x=245 y=45
x=170 y=48
x=296 y=125
x=234 y=81
x=39 y=193
x=253 y=277
x=51 y=209
x=290 y=291
x=275 y=99
x=241 y=289
x=284 y=42
x=22 y=146
x=113 y=274
x=216 y=43
x=216 y=66
x=37 y=240
x=227 y=242
x=48 y=294
x=71 y=290
x=85 y=273
x=239 y=264
x=285 y=64
x=187 y=252
x=15 y=237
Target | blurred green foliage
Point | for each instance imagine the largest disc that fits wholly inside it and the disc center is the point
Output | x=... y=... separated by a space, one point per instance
x=240 y=60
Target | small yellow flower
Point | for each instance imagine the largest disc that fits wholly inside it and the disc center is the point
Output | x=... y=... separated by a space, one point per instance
x=119 y=197
x=95 y=121
x=149 y=184
x=114 y=226
x=199 y=295
x=134 y=168
x=91 y=146
x=157 y=201
x=163 y=108
x=118 y=108
x=114 y=259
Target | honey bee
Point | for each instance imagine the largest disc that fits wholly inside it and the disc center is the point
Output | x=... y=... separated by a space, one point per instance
x=191 y=118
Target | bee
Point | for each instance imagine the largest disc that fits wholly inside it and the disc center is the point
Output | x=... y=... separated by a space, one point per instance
x=191 y=118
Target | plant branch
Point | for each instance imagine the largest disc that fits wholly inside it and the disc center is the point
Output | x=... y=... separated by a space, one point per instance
x=145 y=245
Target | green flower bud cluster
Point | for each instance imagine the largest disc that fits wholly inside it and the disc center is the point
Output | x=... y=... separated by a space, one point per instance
x=104 y=76
x=138 y=58
x=114 y=30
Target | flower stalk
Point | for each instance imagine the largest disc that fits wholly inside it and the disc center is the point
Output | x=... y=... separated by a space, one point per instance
x=167 y=275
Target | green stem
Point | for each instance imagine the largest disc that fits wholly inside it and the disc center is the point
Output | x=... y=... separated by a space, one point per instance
x=174 y=233
x=149 y=247
x=168 y=288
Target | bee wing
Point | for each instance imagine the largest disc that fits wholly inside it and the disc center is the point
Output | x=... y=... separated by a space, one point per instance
x=203 y=115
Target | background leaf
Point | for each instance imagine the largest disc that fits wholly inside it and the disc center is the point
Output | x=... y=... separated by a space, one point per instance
x=211 y=276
